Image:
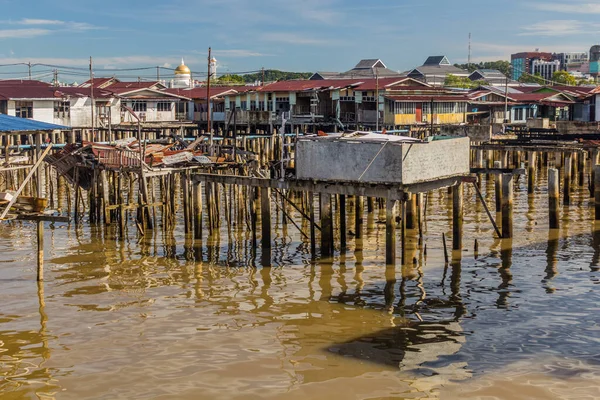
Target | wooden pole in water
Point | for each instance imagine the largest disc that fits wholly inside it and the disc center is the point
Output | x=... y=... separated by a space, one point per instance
x=507 y=206
x=597 y=193
x=265 y=214
x=40 y=255
x=498 y=187
x=411 y=212
x=313 y=238
x=567 y=180
x=359 y=208
x=326 y=225
x=198 y=211
x=457 y=217
x=342 y=222
x=553 y=198
x=531 y=156
x=390 y=232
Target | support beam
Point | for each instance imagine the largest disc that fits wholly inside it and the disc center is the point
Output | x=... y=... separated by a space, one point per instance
x=597 y=193
x=343 y=229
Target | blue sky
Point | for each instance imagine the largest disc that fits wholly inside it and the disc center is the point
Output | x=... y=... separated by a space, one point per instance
x=296 y=35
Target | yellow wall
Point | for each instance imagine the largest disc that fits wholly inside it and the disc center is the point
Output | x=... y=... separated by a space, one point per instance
x=446 y=118
x=405 y=119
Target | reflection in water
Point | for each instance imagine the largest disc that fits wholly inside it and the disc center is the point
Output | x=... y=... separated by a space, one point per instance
x=221 y=324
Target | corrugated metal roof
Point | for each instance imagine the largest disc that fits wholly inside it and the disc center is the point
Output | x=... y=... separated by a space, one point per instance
x=14 y=124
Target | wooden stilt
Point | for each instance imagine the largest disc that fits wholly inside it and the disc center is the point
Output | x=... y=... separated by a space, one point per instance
x=457 y=217
x=567 y=180
x=531 y=156
x=326 y=224
x=343 y=228
x=553 y=198
x=507 y=206
x=359 y=207
x=390 y=233
x=498 y=187
x=40 y=251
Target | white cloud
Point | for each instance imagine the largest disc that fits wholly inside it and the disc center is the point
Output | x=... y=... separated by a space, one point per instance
x=167 y=65
x=577 y=8
x=497 y=51
x=559 y=27
x=238 y=53
x=292 y=38
x=23 y=33
x=32 y=21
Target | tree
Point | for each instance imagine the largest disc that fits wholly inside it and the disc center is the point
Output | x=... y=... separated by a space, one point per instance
x=500 y=65
x=564 y=78
x=231 y=80
x=275 y=75
x=461 y=82
x=528 y=78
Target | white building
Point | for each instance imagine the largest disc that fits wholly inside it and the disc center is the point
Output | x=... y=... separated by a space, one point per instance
x=545 y=68
x=69 y=106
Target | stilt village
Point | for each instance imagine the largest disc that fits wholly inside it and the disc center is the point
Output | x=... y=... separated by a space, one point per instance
x=144 y=156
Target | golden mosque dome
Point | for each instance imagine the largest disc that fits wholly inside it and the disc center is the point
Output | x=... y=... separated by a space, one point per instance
x=182 y=69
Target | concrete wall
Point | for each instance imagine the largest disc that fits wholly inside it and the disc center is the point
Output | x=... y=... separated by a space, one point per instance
x=373 y=162
x=576 y=127
x=334 y=160
x=477 y=133
x=424 y=162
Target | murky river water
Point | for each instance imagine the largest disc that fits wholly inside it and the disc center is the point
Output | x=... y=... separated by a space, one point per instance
x=164 y=318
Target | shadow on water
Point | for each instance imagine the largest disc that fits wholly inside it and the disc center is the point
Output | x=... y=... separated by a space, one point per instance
x=481 y=326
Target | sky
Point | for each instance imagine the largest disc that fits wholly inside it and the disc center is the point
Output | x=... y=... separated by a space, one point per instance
x=290 y=35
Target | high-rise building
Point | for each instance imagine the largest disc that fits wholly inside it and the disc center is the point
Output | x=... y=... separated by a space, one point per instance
x=572 y=61
x=595 y=61
x=522 y=62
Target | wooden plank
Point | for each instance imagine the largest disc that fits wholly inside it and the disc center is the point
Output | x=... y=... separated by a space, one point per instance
x=42 y=217
x=26 y=180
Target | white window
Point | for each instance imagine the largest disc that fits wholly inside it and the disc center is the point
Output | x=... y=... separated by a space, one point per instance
x=62 y=109
x=139 y=106
x=24 y=109
x=163 y=106
x=405 y=108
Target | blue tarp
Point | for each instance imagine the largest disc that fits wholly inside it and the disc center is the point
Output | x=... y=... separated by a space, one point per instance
x=16 y=124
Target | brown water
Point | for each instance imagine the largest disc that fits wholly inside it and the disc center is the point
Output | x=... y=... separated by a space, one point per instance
x=167 y=318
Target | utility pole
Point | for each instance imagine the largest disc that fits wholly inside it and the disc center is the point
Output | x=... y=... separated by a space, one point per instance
x=29 y=68
x=506 y=101
x=263 y=77
x=469 y=58
x=377 y=99
x=55 y=77
x=157 y=73
x=208 y=103
x=92 y=96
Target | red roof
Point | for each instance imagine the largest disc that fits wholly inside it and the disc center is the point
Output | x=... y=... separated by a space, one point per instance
x=22 y=82
x=535 y=97
x=426 y=98
x=34 y=91
x=98 y=82
x=201 y=93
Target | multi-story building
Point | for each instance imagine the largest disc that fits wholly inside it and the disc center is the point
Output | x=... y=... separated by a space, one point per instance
x=522 y=62
x=572 y=61
x=595 y=61
x=545 y=68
